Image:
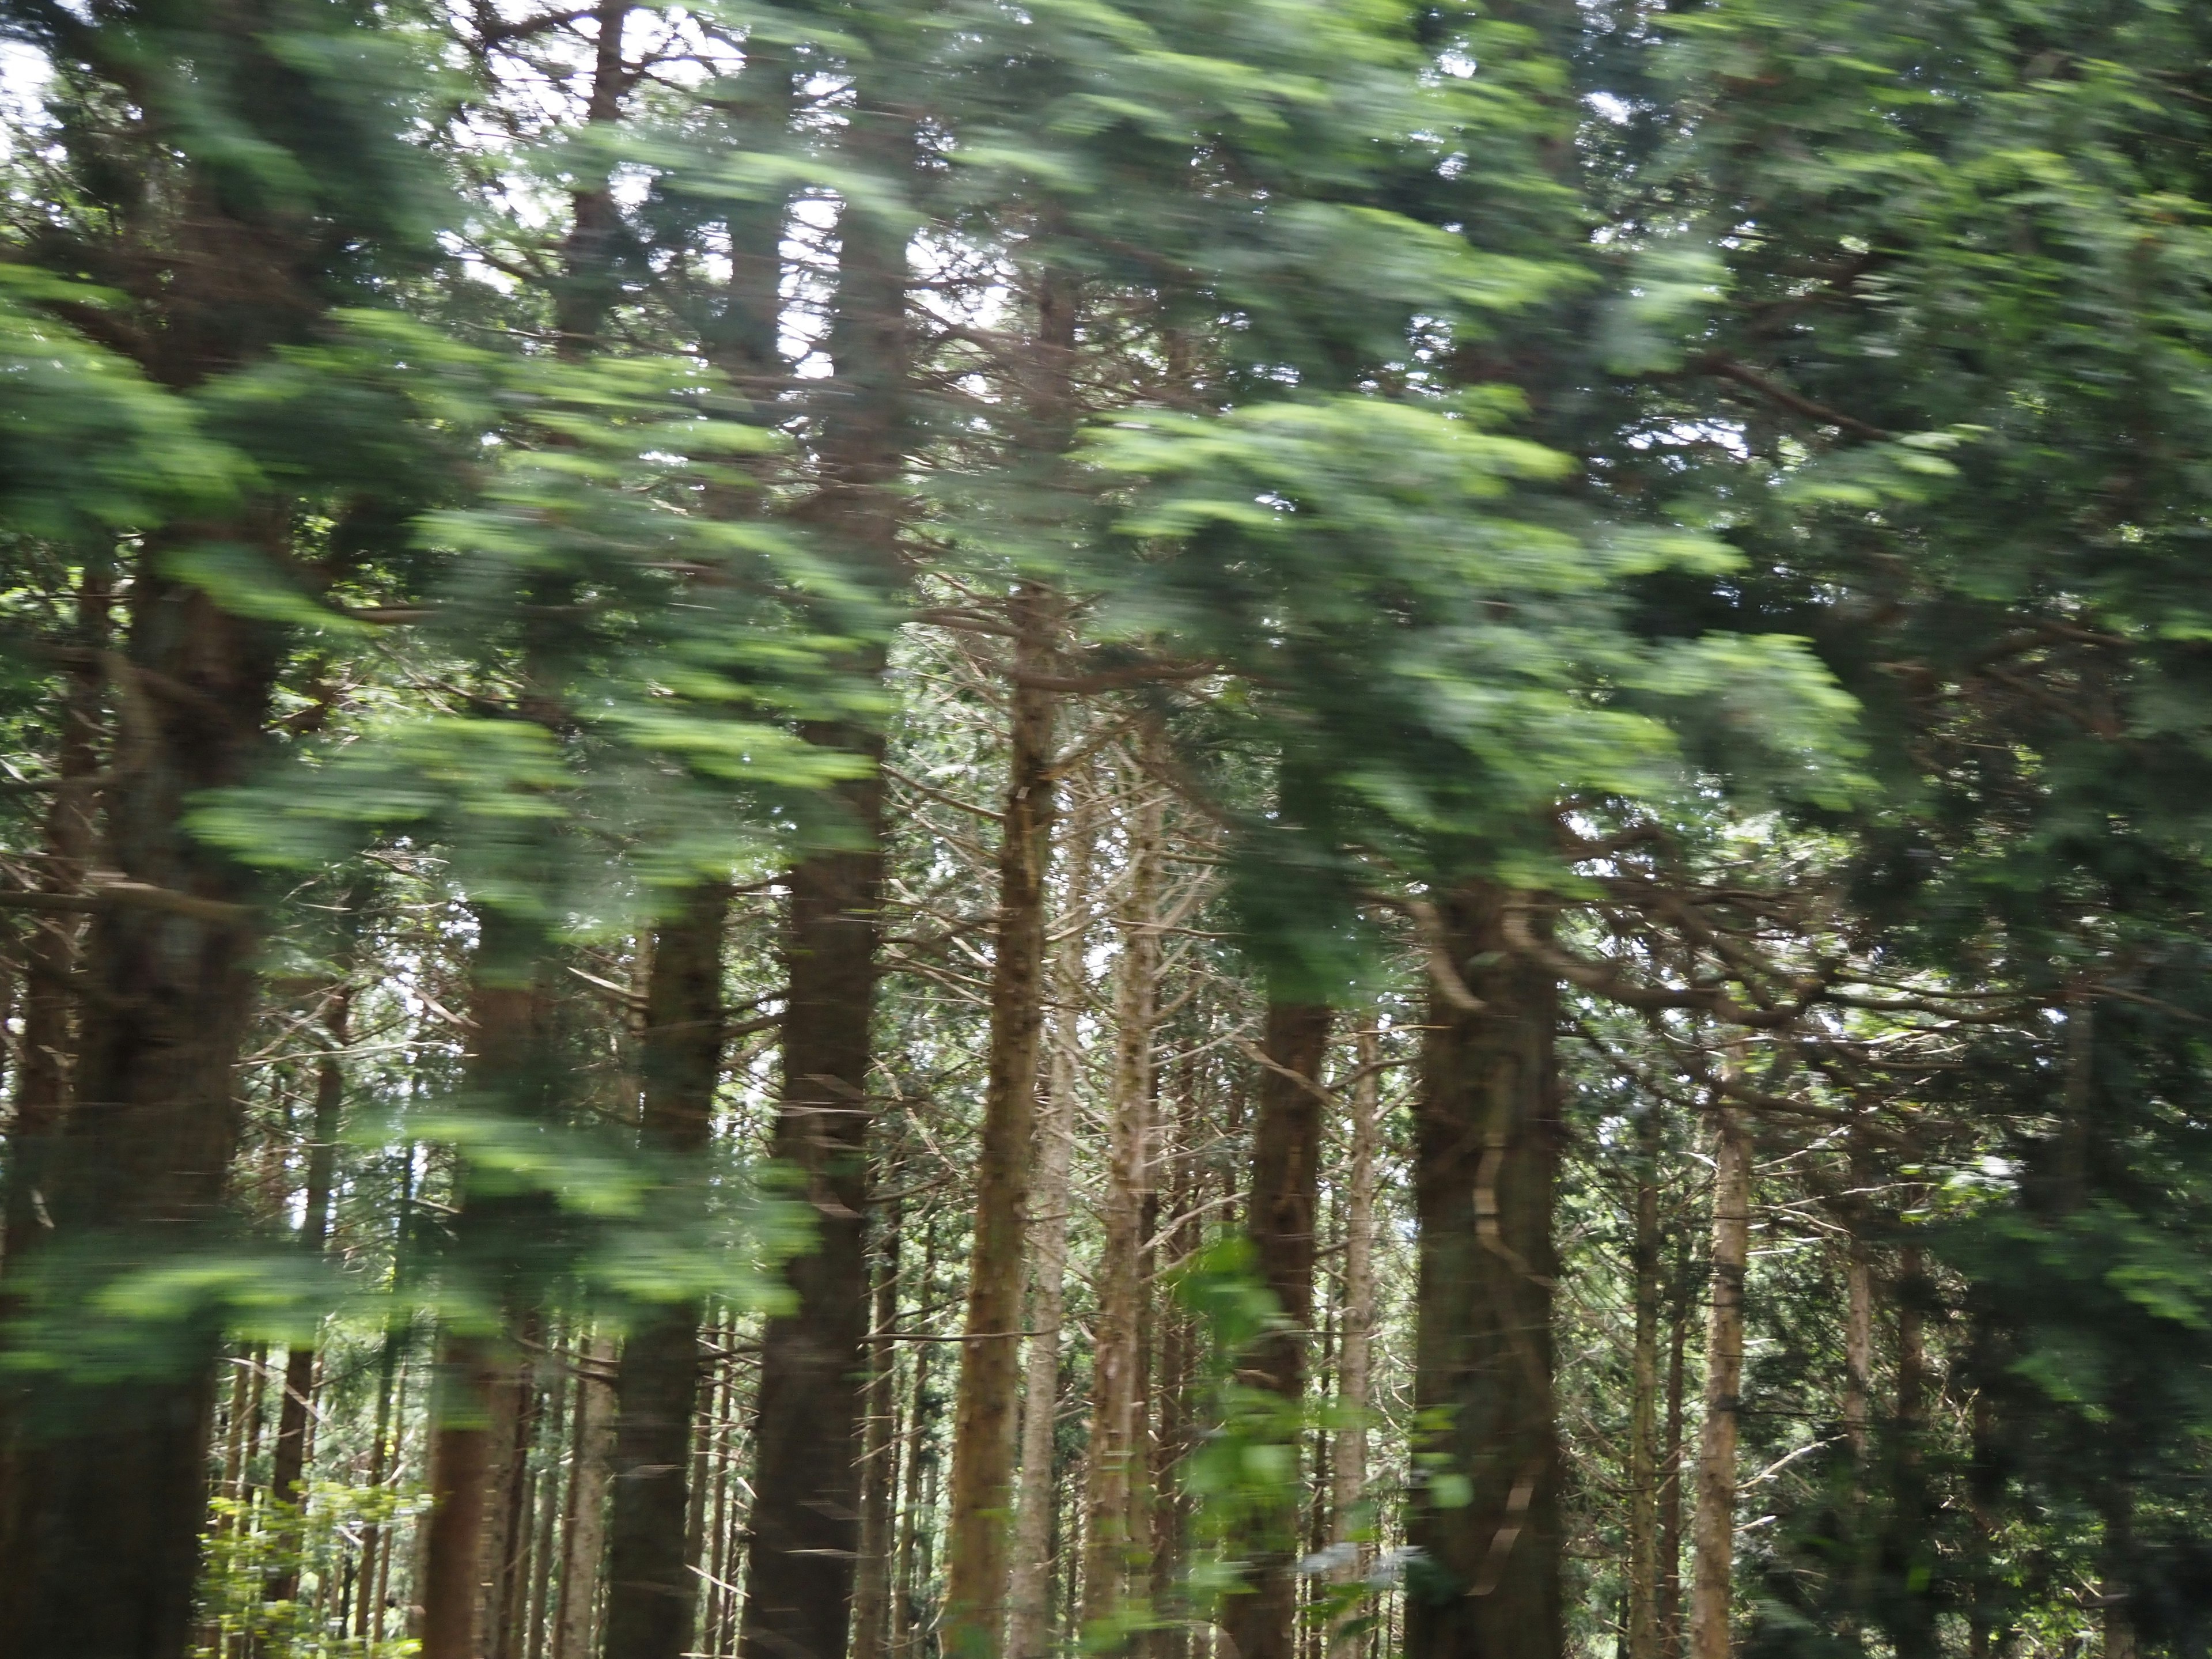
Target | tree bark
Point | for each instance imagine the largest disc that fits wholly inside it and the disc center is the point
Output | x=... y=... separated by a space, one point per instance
x=475 y=1406
x=1711 y=1590
x=1279 y=1220
x=1113 y=1428
x=49 y=960
x=1670 y=1468
x=1644 y=1404
x=651 y=1593
x=585 y=1531
x=1030 y=1633
x=1486 y=1519
x=805 y=1518
x=1348 y=1453
x=985 y=1420
x=871 y=1592
x=100 y=1526
x=291 y=1452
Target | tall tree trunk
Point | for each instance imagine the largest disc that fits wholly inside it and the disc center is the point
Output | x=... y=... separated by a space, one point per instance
x=585 y=1529
x=1670 y=1467
x=1644 y=1404
x=1485 y=1152
x=1279 y=1220
x=871 y=1590
x=1113 y=1428
x=49 y=960
x=290 y=1453
x=101 y=1523
x=1348 y=1454
x=473 y=1411
x=1710 y=1591
x=652 y=1597
x=806 y=1509
x=1030 y=1633
x=984 y=1417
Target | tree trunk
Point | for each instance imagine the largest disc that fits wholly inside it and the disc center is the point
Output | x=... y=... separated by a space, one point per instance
x=985 y=1421
x=805 y=1511
x=1030 y=1634
x=1644 y=1404
x=586 y=1528
x=100 y=1524
x=1670 y=1468
x=1279 y=1220
x=652 y=1597
x=1487 y=1520
x=1348 y=1455
x=1711 y=1590
x=1113 y=1428
x=290 y=1453
x=51 y=958
x=871 y=1590
x=474 y=1408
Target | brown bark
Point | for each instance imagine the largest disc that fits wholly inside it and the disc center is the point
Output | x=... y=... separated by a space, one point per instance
x=986 y=1400
x=1279 y=1220
x=1714 y=1532
x=1643 y=1402
x=1486 y=1519
x=99 y=1539
x=1348 y=1453
x=585 y=1529
x=50 y=957
x=652 y=1595
x=1029 y=1632
x=291 y=1452
x=1670 y=1467
x=474 y=1414
x=1114 y=1430
x=805 y=1518
x=871 y=1590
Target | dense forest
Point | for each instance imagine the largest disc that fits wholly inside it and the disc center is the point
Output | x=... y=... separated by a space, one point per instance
x=1152 y=828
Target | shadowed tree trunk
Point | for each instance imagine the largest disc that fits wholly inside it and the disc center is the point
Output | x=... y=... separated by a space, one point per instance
x=806 y=1512
x=1279 y=1220
x=1670 y=1466
x=1715 y=1534
x=1644 y=1406
x=871 y=1590
x=1115 y=1434
x=290 y=1453
x=650 y=1590
x=1348 y=1452
x=1486 y=1519
x=584 y=1531
x=1030 y=1630
x=985 y=1420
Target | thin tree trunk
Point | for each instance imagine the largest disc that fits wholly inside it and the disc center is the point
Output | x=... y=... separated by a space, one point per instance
x=871 y=1590
x=1279 y=1220
x=585 y=1529
x=903 y=1588
x=1348 y=1453
x=1715 y=1538
x=1670 y=1468
x=290 y=1456
x=1113 y=1428
x=550 y=1508
x=652 y=1597
x=1485 y=1155
x=1030 y=1634
x=985 y=1412
x=805 y=1508
x=1644 y=1411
